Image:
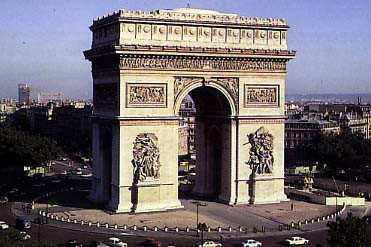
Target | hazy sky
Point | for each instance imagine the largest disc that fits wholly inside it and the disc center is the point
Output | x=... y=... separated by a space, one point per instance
x=41 y=41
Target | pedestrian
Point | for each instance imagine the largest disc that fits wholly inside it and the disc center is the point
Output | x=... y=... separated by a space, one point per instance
x=292 y=206
x=221 y=237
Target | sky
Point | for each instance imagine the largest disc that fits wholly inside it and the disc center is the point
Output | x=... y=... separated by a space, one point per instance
x=41 y=41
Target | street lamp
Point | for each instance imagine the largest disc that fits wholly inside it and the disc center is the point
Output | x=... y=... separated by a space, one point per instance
x=198 y=204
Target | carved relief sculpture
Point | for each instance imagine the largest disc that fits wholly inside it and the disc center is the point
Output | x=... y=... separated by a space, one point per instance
x=261 y=152
x=146 y=164
x=146 y=95
x=262 y=95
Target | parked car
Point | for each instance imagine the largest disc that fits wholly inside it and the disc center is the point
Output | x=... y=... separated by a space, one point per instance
x=73 y=243
x=251 y=243
x=4 y=199
x=97 y=243
x=150 y=242
x=210 y=244
x=293 y=241
x=116 y=242
x=22 y=223
x=24 y=236
x=3 y=225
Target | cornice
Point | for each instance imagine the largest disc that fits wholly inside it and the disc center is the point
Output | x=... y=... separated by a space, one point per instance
x=178 y=50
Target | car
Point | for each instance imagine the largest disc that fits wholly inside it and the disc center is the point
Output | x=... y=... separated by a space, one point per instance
x=116 y=242
x=73 y=243
x=78 y=171
x=3 y=225
x=4 y=199
x=210 y=244
x=293 y=241
x=13 y=191
x=22 y=223
x=251 y=243
x=24 y=236
x=150 y=242
x=97 y=243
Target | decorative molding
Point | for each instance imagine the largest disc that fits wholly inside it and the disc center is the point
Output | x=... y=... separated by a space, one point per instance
x=148 y=122
x=105 y=95
x=261 y=152
x=146 y=95
x=230 y=84
x=146 y=158
x=261 y=121
x=193 y=15
x=258 y=95
x=182 y=82
x=202 y=63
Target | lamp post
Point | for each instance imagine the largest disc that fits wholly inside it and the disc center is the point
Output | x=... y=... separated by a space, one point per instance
x=198 y=204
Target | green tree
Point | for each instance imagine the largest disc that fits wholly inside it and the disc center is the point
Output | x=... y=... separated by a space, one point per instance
x=348 y=232
x=340 y=150
x=19 y=148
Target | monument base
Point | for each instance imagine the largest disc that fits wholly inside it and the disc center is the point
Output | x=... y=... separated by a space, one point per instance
x=151 y=196
x=266 y=189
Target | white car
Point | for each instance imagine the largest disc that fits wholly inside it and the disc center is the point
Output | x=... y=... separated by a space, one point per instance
x=251 y=243
x=293 y=241
x=116 y=242
x=3 y=225
x=25 y=236
x=210 y=244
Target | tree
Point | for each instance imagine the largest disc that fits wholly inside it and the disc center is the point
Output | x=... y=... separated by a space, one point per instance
x=18 y=149
x=340 y=150
x=348 y=232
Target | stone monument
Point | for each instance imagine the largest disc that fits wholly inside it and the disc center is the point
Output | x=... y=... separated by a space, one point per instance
x=144 y=64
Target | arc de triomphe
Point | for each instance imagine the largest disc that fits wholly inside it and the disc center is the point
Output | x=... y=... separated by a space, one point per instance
x=234 y=69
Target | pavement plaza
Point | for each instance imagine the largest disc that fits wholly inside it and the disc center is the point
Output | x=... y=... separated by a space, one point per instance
x=75 y=205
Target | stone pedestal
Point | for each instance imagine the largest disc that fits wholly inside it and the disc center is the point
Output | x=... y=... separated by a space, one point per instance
x=149 y=196
x=266 y=189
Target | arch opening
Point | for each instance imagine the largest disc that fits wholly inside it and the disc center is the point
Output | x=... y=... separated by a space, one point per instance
x=207 y=112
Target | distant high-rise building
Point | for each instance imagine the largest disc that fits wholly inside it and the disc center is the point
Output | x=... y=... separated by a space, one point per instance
x=24 y=94
x=44 y=98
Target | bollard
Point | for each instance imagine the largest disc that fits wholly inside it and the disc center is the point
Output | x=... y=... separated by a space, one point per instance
x=229 y=228
x=89 y=223
x=115 y=226
x=82 y=222
x=134 y=227
x=187 y=229
x=166 y=228
x=155 y=228
x=176 y=229
x=240 y=229
x=208 y=229
x=106 y=225
x=98 y=224
x=219 y=229
x=144 y=228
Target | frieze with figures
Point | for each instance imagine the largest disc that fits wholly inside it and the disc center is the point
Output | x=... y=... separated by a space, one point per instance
x=105 y=95
x=261 y=95
x=146 y=155
x=181 y=63
x=146 y=95
x=261 y=152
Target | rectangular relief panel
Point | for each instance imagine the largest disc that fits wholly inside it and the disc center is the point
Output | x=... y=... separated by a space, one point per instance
x=257 y=95
x=105 y=95
x=146 y=95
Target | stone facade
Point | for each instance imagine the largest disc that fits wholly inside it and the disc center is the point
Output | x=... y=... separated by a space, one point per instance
x=144 y=64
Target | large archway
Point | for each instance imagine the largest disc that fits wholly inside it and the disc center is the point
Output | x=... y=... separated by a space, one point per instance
x=234 y=68
x=213 y=141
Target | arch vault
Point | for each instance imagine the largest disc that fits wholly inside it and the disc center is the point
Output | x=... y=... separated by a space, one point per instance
x=143 y=65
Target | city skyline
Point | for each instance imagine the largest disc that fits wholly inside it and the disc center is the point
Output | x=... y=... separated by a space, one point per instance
x=42 y=42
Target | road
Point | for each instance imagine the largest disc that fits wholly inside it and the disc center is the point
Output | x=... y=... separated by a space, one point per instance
x=58 y=236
